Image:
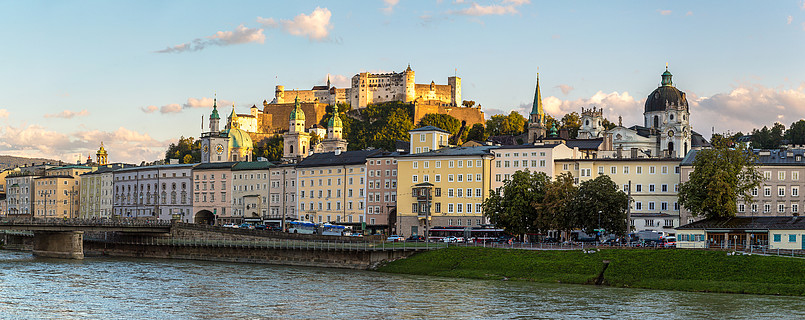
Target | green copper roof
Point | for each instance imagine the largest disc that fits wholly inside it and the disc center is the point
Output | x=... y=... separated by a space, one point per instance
x=536 y=107
x=214 y=114
x=666 y=78
x=335 y=120
x=553 y=132
x=297 y=113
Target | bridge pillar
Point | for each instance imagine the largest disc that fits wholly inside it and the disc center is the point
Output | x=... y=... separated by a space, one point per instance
x=64 y=245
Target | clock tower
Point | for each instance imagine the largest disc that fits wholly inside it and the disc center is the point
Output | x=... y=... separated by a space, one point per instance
x=215 y=143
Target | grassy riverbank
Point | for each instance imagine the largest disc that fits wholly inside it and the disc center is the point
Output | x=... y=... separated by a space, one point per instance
x=684 y=270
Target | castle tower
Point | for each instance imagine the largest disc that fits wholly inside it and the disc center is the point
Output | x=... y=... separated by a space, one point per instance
x=214 y=144
x=279 y=94
x=591 y=123
x=296 y=141
x=455 y=90
x=408 y=82
x=101 y=156
x=536 y=119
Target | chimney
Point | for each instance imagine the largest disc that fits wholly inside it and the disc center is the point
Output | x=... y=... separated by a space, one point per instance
x=634 y=153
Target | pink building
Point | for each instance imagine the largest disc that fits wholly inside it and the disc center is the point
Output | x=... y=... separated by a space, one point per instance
x=212 y=183
x=381 y=193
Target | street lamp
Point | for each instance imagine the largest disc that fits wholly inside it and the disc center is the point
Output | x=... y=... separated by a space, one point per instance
x=45 y=194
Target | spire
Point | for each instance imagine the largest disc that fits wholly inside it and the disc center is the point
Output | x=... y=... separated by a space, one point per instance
x=233 y=118
x=214 y=114
x=335 y=120
x=296 y=112
x=328 y=81
x=553 y=133
x=536 y=107
x=666 y=77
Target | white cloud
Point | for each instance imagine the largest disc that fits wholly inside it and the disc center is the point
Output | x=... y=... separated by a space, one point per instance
x=665 y=12
x=502 y=8
x=170 y=108
x=149 y=109
x=339 y=81
x=124 y=145
x=315 y=26
x=190 y=104
x=789 y=19
x=68 y=114
x=4 y=114
x=389 y=6
x=565 y=88
x=240 y=35
x=516 y=2
x=746 y=107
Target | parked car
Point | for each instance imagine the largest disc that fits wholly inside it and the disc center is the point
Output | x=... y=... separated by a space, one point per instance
x=260 y=227
x=395 y=238
x=549 y=240
x=275 y=228
x=503 y=239
x=669 y=242
x=229 y=225
x=246 y=226
x=449 y=239
x=415 y=239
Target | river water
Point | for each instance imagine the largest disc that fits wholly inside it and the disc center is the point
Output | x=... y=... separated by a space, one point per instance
x=116 y=288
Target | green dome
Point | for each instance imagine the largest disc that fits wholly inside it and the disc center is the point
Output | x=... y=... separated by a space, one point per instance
x=553 y=132
x=297 y=113
x=335 y=120
x=239 y=139
x=214 y=114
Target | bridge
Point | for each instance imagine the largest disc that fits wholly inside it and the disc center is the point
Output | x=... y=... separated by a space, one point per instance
x=60 y=238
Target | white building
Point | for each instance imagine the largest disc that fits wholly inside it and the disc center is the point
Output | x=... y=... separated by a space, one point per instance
x=154 y=192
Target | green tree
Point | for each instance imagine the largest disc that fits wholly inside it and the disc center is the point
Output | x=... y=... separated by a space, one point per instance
x=571 y=122
x=720 y=177
x=184 y=147
x=608 y=125
x=514 y=208
x=600 y=204
x=550 y=121
x=468 y=103
x=555 y=211
x=477 y=132
x=796 y=133
x=512 y=124
x=270 y=148
x=442 y=121
x=766 y=138
x=380 y=125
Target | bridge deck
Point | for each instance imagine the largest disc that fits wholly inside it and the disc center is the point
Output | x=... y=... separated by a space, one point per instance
x=55 y=225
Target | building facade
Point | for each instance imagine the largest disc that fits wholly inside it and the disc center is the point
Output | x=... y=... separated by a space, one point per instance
x=250 y=191
x=212 y=193
x=20 y=194
x=154 y=192
x=428 y=138
x=282 y=194
x=537 y=157
x=56 y=196
x=381 y=193
x=97 y=193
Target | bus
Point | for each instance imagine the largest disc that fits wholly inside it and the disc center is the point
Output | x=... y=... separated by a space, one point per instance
x=302 y=227
x=476 y=234
x=332 y=230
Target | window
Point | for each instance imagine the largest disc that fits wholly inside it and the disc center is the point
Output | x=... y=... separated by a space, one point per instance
x=449 y=208
x=781 y=191
x=478 y=192
x=449 y=178
x=795 y=191
x=780 y=207
x=794 y=208
x=792 y=238
x=450 y=192
x=600 y=170
x=625 y=169
x=651 y=188
x=416 y=165
x=767 y=175
x=564 y=166
x=651 y=170
x=458 y=207
x=664 y=188
x=585 y=172
x=649 y=223
x=422 y=137
x=795 y=175
x=613 y=170
x=477 y=177
x=741 y=207
x=651 y=205
x=664 y=169
x=766 y=207
x=478 y=163
x=664 y=206
x=542 y=163
x=450 y=164
x=639 y=188
x=777 y=237
x=437 y=207
x=638 y=205
x=497 y=177
x=767 y=191
x=438 y=178
x=754 y=207
x=415 y=178
x=781 y=175
x=438 y=164
x=460 y=163
x=754 y=192
x=639 y=170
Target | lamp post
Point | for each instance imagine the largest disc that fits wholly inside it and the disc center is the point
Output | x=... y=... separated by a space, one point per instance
x=45 y=194
x=599 y=226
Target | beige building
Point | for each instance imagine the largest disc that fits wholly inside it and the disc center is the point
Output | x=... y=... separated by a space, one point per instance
x=428 y=138
x=56 y=196
x=654 y=186
x=332 y=187
x=445 y=187
x=381 y=193
x=212 y=193
x=282 y=194
x=250 y=190
x=97 y=193
x=538 y=157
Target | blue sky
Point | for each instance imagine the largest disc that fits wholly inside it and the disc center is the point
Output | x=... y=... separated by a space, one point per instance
x=139 y=74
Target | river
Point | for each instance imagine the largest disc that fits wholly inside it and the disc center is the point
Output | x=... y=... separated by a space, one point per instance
x=116 y=288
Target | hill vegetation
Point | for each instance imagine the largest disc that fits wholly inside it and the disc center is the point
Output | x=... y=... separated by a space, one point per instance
x=7 y=162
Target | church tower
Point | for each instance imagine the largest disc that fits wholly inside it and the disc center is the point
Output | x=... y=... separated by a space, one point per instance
x=667 y=115
x=296 y=141
x=334 y=140
x=214 y=144
x=592 y=123
x=101 y=156
x=536 y=119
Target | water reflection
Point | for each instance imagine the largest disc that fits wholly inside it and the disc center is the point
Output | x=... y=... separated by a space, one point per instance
x=175 y=289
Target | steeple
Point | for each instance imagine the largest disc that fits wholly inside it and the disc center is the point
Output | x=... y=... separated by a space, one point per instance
x=328 y=81
x=666 y=77
x=553 y=133
x=214 y=117
x=297 y=117
x=233 y=118
x=536 y=107
x=101 y=155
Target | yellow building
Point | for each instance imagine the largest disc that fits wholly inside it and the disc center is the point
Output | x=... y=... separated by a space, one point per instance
x=56 y=196
x=654 y=186
x=332 y=187
x=427 y=139
x=445 y=187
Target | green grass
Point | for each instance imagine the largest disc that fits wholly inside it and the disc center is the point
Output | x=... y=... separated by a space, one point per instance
x=683 y=270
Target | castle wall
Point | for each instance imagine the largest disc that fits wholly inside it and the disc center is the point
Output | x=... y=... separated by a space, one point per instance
x=470 y=115
x=280 y=112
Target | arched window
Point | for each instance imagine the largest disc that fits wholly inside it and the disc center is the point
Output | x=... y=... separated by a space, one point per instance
x=670 y=148
x=291 y=151
x=656 y=121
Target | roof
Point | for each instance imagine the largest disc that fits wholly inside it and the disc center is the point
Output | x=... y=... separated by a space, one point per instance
x=765 y=157
x=530 y=146
x=62 y=176
x=105 y=169
x=429 y=128
x=71 y=167
x=509 y=140
x=215 y=165
x=641 y=131
x=698 y=141
x=387 y=154
x=665 y=96
x=652 y=215
x=585 y=144
x=452 y=152
x=677 y=160
x=688 y=159
x=253 y=165
x=162 y=166
x=331 y=159
x=747 y=223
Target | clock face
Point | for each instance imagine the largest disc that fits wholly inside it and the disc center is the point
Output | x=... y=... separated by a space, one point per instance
x=219 y=149
x=206 y=148
x=670 y=133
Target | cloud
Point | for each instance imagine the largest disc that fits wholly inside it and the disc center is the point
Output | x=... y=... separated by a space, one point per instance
x=556 y=36
x=240 y=35
x=339 y=81
x=67 y=114
x=315 y=26
x=149 y=109
x=789 y=19
x=4 y=114
x=665 y=12
x=689 y=13
x=124 y=145
x=505 y=7
x=802 y=5
x=192 y=103
x=748 y=106
x=170 y=108
x=565 y=88
x=389 y=6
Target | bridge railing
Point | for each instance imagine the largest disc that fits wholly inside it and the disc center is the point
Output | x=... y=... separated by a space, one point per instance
x=270 y=243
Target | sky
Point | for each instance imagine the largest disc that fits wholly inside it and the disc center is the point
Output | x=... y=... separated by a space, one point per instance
x=137 y=75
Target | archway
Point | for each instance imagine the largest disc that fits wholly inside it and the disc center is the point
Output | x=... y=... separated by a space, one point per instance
x=204 y=217
x=671 y=149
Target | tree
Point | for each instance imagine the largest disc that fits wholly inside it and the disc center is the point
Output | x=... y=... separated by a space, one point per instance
x=514 y=207
x=468 y=103
x=442 y=121
x=571 y=122
x=512 y=124
x=477 y=132
x=720 y=177
x=555 y=211
x=183 y=148
x=270 y=148
x=608 y=125
x=796 y=133
x=766 y=138
x=600 y=204
x=380 y=125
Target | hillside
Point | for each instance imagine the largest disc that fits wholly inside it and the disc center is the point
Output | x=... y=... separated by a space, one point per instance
x=13 y=161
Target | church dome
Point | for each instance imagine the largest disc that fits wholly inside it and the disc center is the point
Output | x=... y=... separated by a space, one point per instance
x=239 y=139
x=666 y=95
x=296 y=112
x=335 y=120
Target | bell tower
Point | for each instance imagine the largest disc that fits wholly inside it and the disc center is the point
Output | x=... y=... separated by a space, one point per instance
x=536 y=119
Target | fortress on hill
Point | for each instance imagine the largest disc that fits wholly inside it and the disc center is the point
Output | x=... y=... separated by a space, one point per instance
x=366 y=88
